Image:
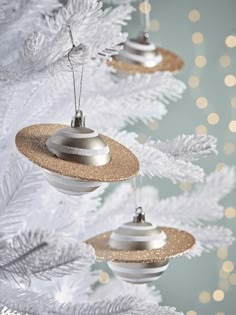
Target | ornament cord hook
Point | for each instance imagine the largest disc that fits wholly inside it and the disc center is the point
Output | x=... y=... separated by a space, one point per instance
x=139 y=215
x=78 y=111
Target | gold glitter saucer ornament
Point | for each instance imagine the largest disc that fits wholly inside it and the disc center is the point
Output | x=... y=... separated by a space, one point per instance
x=139 y=252
x=76 y=159
x=139 y=55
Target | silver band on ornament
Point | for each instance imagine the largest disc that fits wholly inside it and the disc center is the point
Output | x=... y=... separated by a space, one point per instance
x=71 y=186
x=138 y=273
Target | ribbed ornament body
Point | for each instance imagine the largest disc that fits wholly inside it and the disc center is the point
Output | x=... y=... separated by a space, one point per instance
x=140 y=51
x=135 y=236
x=77 y=144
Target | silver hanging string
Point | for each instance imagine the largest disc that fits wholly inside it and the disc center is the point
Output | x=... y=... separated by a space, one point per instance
x=139 y=215
x=77 y=107
x=145 y=17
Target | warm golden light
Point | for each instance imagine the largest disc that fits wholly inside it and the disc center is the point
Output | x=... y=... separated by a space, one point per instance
x=185 y=186
x=220 y=313
x=230 y=41
x=197 y=38
x=145 y=7
x=228 y=266
x=194 y=15
x=201 y=102
x=232 y=126
x=220 y=166
x=201 y=130
x=218 y=295
x=230 y=213
x=104 y=277
x=225 y=61
x=193 y=82
x=200 y=61
x=232 y=279
x=213 y=118
x=230 y=80
x=154 y=25
x=204 y=297
x=229 y=148
x=233 y=102
x=153 y=124
x=191 y=313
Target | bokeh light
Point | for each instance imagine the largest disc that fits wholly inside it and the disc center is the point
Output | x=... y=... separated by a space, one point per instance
x=145 y=7
x=185 y=186
x=230 y=212
x=191 y=313
x=200 y=61
x=104 y=277
x=153 y=124
x=201 y=102
x=193 y=82
x=213 y=118
x=228 y=266
x=194 y=15
x=230 y=80
x=204 y=297
x=230 y=41
x=197 y=38
x=233 y=102
x=232 y=126
x=201 y=130
x=218 y=295
x=225 y=61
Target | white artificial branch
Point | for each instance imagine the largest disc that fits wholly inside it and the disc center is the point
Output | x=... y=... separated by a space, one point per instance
x=42 y=255
x=31 y=303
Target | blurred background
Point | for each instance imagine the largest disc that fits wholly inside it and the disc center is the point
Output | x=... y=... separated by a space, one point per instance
x=203 y=33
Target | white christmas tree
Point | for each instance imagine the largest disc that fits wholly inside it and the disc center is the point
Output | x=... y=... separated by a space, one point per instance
x=42 y=230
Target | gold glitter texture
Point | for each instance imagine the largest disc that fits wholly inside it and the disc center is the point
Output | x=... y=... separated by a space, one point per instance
x=31 y=142
x=179 y=242
x=171 y=62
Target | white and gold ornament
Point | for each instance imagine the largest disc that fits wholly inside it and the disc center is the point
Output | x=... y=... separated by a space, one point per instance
x=139 y=252
x=76 y=159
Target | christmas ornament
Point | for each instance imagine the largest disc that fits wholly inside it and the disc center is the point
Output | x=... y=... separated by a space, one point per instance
x=75 y=164
x=139 y=252
x=76 y=159
x=141 y=56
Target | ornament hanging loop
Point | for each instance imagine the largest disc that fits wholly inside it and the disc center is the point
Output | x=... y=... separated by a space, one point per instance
x=78 y=119
x=139 y=215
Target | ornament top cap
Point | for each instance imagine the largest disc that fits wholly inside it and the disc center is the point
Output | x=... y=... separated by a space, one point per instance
x=138 y=235
x=79 y=144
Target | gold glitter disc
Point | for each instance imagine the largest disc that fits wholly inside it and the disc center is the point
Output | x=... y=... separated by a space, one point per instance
x=170 y=62
x=31 y=142
x=179 y=242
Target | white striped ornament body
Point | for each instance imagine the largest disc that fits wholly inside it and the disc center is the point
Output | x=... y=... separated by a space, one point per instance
x=81 y=145
x=134 y=236
x=140 y=51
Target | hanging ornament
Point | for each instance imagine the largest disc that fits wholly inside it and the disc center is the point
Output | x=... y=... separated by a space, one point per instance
x=76 y=159
x=138 y=251
x=139 y=55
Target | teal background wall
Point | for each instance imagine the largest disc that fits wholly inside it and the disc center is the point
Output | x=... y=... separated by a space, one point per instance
x=194 y=28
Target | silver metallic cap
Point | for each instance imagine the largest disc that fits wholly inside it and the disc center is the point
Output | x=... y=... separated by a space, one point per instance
x=137 y=235
x=140 y=51
x=79 y=144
